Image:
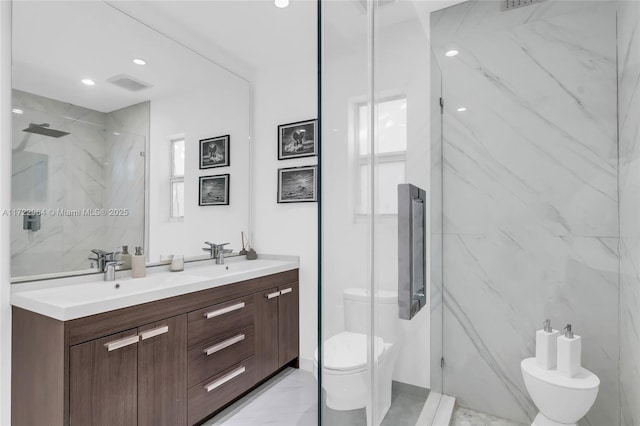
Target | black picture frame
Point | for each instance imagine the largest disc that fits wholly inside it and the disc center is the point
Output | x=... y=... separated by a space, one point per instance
x=214 y=190
x=298 y=184
x=297 y=140
x=215 y=152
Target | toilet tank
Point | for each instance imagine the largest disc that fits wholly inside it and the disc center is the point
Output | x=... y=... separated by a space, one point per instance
x=357 y=312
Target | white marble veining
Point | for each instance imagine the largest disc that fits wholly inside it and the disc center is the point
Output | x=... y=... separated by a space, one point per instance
x=629 y=111
x=467 y=417
x=288 y=399
x=64 y=301
x=91 y=168
x=530 y=195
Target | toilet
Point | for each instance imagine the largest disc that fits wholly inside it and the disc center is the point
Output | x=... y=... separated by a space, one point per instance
x=344 y=368
x=562 y=400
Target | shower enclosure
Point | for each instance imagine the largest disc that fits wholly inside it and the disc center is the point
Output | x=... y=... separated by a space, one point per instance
x=380 y=118
x=531 y=171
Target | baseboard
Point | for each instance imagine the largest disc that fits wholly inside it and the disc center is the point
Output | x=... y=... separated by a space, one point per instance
x=306 y=364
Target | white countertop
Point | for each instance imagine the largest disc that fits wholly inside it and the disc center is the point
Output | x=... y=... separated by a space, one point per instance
x=68 y=299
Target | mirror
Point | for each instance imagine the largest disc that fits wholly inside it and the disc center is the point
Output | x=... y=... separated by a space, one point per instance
x=121 y=136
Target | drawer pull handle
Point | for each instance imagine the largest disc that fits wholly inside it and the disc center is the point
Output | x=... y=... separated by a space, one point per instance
x=155 y=332
x=220 y=346
x=224 y=379
x=121 y=343
x=286 y=290
x=272 y=295
x=223 y=311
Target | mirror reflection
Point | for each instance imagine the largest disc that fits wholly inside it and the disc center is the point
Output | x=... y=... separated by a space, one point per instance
x=108 y=119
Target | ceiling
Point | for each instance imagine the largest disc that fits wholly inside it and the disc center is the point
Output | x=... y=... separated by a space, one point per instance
x=57 y=43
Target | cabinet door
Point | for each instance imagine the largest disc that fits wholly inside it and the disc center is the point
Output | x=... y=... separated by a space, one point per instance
x=162 y=373
x=103 y=381
x=288 y=324
x=266 y=332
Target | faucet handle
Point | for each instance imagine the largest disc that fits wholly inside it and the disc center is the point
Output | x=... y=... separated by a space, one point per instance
x=209 y=244
x=98 y=252
x=219 y=246
x=111 y=256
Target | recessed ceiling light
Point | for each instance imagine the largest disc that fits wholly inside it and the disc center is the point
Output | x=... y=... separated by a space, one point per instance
x=88 y=82
x=17 y=111
x=461 y=109
x=116 y=133
x=138 y=61
x=282 y=3
x=451 y=53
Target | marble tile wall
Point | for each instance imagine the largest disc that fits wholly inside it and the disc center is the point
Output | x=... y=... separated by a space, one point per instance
x=63 y=173
x=45 y=170
x=629 y=181
x=128 y=130
x=530 y=195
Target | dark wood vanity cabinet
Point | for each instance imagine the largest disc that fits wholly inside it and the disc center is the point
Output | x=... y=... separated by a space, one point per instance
x=171 y=362
x=134 y=377
x=277 y=317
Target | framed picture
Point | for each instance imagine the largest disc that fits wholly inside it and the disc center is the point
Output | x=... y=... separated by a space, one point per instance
x=214 y=190
x=214 y=152
x=297 y=184
x=297 y=140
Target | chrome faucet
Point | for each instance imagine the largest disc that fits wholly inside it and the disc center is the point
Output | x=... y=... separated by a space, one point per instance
x=102 y=258
x=217 y=251
x=110 y=269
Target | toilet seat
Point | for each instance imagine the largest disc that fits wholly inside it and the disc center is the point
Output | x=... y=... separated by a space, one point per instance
x=585 y=380
x=346 y=353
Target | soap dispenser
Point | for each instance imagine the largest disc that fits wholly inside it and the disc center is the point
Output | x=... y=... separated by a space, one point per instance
x=138 y=267
x=569 y=352
x=125 y=257
x=546 y=346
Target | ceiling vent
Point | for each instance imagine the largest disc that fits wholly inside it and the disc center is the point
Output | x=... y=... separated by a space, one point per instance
x=128 y=83
x=513 y=4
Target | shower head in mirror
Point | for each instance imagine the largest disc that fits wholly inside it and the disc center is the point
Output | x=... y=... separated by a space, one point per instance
x=45 y=130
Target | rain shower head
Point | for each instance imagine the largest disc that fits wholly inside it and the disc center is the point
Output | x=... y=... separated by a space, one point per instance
x=43 y=129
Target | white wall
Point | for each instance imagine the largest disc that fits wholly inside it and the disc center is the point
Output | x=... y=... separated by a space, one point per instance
x=286 y=94
x=219 y=107
x=5 y=203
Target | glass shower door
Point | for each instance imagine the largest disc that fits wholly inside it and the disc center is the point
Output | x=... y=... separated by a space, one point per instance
x=381 y=127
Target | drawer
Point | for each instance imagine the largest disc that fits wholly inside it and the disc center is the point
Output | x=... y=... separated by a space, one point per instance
x=217 y=355
x=215 y=321
x=213 y=393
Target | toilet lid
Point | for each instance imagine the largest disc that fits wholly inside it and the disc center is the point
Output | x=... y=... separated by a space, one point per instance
x=348 y=351
x=585 y=380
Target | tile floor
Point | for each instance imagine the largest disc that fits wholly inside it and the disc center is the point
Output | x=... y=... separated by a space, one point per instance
x=467 y=417
x=290 y=399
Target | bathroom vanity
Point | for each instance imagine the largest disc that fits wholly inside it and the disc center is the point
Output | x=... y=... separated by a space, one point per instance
x=176 y=348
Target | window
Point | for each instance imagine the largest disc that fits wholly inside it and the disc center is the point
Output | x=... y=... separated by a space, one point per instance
x=177 y=178
x=389 y=155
